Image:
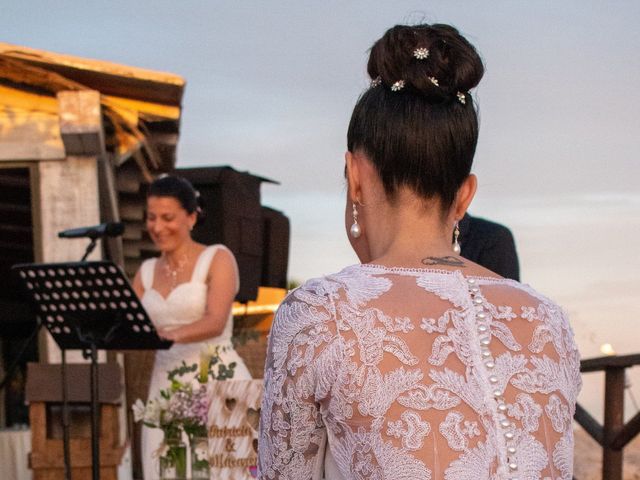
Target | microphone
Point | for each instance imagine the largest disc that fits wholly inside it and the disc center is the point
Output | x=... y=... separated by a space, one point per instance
x=109 y=229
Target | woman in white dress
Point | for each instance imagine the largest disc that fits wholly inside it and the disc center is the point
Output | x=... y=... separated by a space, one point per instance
x=417 y=363
x=187 y=291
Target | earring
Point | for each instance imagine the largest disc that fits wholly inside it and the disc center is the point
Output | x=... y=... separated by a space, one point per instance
x=355 y=228
x=456 y=234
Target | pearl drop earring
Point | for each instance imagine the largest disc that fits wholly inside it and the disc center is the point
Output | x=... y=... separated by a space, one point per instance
x=456 y=234
x=355 y=230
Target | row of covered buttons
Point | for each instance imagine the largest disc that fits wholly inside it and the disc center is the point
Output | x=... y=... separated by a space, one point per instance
x=487 y=358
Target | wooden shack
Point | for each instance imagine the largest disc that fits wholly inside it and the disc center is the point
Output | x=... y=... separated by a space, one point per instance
x=79 y=140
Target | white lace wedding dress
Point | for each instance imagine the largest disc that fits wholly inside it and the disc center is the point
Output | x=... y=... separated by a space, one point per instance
x=388 y=373
x=185 y=304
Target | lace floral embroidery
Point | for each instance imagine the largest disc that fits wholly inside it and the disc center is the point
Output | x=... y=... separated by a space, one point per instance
x=373 y=387
x=456 y=432
x=558 y=413
x=527 y=411
x=411 y=429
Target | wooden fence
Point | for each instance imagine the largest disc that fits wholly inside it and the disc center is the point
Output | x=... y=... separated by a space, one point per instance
x=615 y=434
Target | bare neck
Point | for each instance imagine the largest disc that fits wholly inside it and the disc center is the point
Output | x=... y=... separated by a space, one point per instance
x=407 y=231
x=180 y=253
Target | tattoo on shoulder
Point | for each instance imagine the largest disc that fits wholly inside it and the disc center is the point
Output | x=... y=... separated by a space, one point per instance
x=450 y=261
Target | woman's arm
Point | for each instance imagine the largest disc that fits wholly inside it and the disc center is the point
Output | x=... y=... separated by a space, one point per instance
x=137 y=284
x=222 y=288
x=302 y=354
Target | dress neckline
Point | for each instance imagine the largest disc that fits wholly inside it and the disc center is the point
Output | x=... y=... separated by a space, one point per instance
x=423 y=270
x=191 y=280
x=168 y=297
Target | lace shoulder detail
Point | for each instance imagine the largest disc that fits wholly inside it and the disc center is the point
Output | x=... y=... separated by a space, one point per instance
x=302 y=356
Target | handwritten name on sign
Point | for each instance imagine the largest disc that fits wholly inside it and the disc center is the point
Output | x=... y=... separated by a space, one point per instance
x=222 y=432
x=234 y=415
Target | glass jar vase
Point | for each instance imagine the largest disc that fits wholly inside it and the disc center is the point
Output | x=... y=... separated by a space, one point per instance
x=173 y=462
x=200 y=458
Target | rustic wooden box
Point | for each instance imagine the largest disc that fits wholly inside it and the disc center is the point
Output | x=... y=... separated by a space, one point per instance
x=44 y=394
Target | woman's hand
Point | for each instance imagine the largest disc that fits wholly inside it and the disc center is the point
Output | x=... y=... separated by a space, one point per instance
x=222 y=286
x=169 y=334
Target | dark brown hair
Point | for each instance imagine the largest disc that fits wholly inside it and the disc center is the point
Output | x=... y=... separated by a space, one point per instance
x=176 y=187
x=424 y=134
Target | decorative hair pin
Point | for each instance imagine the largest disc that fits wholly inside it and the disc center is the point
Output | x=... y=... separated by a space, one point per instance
x=397 y=86
x=462 y=98
x=434 y=80
x=421 y=53
x=375 y=82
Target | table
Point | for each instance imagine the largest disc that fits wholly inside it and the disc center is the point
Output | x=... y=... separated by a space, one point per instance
x=15 y=446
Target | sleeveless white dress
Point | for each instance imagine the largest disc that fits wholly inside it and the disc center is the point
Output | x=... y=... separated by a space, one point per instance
x=185 y=304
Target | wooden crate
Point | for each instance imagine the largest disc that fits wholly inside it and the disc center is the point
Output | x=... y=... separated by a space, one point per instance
x=44 y=395
x=47 y=460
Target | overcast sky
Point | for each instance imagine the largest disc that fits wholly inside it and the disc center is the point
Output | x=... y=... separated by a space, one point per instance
x=271 y=86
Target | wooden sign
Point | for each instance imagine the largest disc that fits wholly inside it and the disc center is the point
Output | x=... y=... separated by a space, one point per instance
x=234 y=415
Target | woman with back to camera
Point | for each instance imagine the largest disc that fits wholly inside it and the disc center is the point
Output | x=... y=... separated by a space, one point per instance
x=416 y=363
x=188 y=292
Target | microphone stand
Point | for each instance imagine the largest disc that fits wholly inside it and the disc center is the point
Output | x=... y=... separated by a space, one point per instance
x=63 y=358
x=65 y=416
x=118 y=326
x=90 y=247
x=65 y=403
x=63 y=376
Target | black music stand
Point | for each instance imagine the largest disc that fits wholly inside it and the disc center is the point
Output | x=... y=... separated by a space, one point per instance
x=90 y=306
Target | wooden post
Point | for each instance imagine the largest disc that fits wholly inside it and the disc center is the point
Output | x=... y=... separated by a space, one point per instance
x=68 y=191
x=81 y=122
x=613 y=422
x=68 y=198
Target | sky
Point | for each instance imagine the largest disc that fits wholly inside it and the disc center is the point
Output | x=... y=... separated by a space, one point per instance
x=271 y=86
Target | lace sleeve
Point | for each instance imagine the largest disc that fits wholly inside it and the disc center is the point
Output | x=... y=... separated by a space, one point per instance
x=302 y=351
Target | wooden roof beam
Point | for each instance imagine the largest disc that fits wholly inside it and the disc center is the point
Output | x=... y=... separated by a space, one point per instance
x=107 y=77
x=81 y=122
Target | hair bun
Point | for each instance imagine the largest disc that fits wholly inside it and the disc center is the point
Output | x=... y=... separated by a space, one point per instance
x=434 y=61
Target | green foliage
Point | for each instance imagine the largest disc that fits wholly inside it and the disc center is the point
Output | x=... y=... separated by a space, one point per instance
x=183 y=369
x=221 y=372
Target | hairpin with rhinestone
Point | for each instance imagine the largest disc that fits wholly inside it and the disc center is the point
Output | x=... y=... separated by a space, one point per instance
x=397 y=86
x=462 y=98
x=375 y=82
x=434 y=80
x=421 y=53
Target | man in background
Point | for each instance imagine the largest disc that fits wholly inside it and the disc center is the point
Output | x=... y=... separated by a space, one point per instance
x=490 y=245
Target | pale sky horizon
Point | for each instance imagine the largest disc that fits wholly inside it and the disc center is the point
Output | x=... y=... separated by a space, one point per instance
x=271 y=86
